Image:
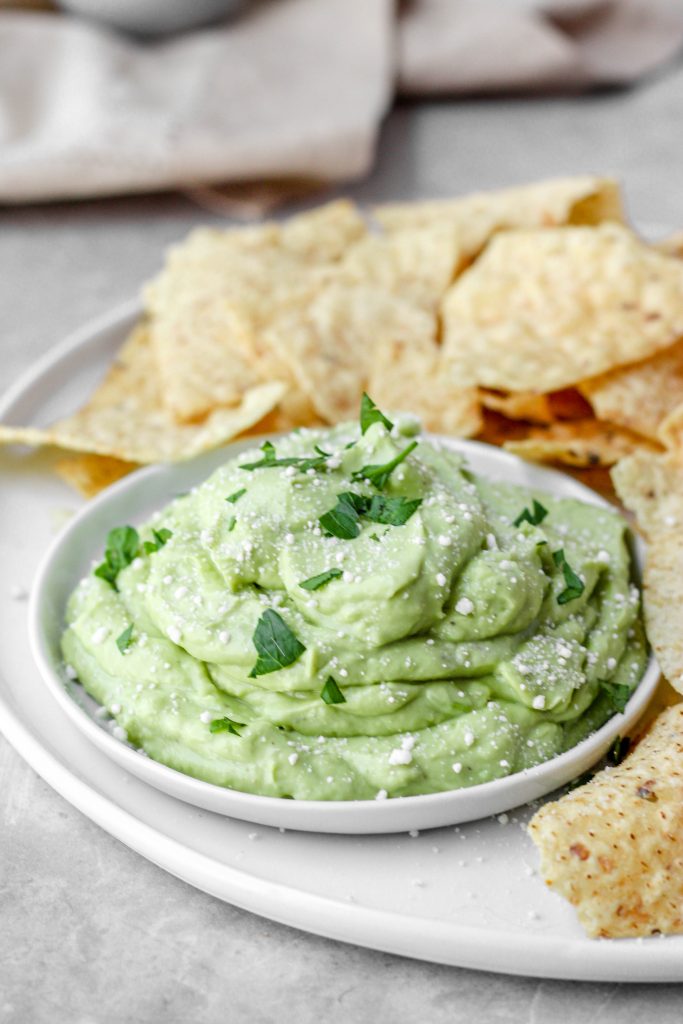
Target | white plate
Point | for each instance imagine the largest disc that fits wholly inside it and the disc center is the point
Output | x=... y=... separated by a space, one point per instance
x=133 y=500
x=478 y=892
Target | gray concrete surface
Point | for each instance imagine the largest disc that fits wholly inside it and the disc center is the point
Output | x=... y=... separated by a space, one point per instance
x=90 y=933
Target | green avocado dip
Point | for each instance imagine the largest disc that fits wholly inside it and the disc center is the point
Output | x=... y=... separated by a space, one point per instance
x=353 y=614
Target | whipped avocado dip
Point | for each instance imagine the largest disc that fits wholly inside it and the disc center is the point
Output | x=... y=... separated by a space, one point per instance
x=353 y=615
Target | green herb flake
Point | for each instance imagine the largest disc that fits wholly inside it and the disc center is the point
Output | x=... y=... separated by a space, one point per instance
x=160 y=538
x=392 y=511
x=618 y=750
x=226 y=725
x=331 y=693
x=123 y=546
x=369 y=414
x=618 y=694
x=343 y=520
x=232 y=498
x=574 y=584
x=276 y=645
x=270 y=460
x=534 y=517
x=315 y=582
x=231 y=523
x=123 y=642
x=379 y=474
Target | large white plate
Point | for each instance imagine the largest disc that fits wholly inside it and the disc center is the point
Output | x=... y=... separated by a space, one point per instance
x=133 y=500
x=468 y=896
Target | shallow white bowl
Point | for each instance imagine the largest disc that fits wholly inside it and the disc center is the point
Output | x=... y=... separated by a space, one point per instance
x=132 y=500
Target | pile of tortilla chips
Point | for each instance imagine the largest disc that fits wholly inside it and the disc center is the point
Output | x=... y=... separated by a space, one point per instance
x=530 y=317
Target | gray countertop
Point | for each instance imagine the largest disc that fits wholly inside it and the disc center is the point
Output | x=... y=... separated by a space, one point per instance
x=90 y=932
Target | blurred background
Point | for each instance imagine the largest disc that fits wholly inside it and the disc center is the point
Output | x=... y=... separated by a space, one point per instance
x=117 y=114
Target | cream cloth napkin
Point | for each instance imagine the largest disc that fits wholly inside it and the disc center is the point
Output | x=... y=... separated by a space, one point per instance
x=291 y=89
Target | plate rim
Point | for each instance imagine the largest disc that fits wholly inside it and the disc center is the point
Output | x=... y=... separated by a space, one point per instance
x=612 y=960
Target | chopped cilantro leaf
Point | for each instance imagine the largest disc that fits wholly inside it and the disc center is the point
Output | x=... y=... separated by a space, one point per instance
x=379 y=474
x=536 y=516
x=343 y=520
x=226 y=725
x=331 y=693
x=123 y=545
x=392 y=511
x=123 y=641
x=618 y=751
x=275 y=644
x=232 y=522
x=618 y=694
x=232 y=498
x=271 y=460
x=574 y=584
x=315 y=582
x=160 y=538
x=369 y=414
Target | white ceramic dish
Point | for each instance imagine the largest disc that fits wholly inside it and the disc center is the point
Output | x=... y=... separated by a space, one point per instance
x=133 y=500
x=468 y=896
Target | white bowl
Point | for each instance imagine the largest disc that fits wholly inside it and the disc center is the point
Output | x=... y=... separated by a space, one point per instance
x=132 y=500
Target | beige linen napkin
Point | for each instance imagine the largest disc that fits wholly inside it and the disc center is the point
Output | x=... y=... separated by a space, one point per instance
x=292 y=89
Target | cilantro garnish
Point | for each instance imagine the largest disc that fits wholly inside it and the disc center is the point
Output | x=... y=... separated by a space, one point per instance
x=536 y=516
x=270 y=459
x=232 y=498
x=123 y=545
x=618 y=750
x=226 y=725
x=575 y=586
x=123 y=641
x=369 y=414
x=232 y=522
x=379 y=474
x=344 y=519
x=160 y=538
x=275 y=644
x=331 y=693
x=618 y=694
x=315 y=582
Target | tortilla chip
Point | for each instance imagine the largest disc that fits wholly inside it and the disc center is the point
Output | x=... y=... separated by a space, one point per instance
x=219 y=289
x=672 y=246
x=642 y=395
x=523 y=406
x=614 y=847
x=329 y=344
x=579 y=443
x=126 y=417
x=671 y=431
x=542 y=310
x=475 y=218
x=406 y=376
x=652 y=488
x=90 y=474
x=418 y=264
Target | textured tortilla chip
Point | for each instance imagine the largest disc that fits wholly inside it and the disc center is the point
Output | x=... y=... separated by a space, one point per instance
x=614 y=847
x=329 y=344
x=672 y=246
x=652 y=488
x=542 y=310
x=418 y=264
x=642 y=395
x=407 y=377
x=476 y=218
x=126 y=417
x=580 y=443
x=671 y=430
x=90 y=474
x=219 y=289
x=522 y=406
